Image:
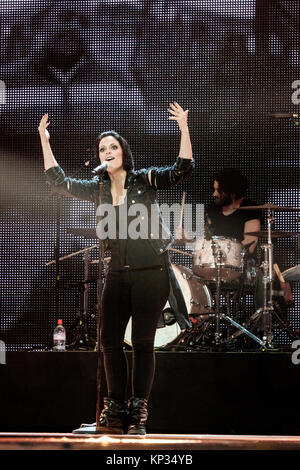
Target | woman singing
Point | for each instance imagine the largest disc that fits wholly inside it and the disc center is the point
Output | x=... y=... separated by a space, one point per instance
x=140 y=278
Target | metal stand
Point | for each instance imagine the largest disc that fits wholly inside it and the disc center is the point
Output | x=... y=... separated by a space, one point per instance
x=81 y=335
x=218 y=255
x=88 y=233
x=267 y=266
x=99 y=356
x=95 y=428
x=267 y=311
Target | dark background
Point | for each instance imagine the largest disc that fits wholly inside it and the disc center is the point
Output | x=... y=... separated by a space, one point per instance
x=104 y=65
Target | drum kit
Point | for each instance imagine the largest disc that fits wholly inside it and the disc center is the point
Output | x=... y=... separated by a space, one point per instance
x=220 y=263
x=219 y=270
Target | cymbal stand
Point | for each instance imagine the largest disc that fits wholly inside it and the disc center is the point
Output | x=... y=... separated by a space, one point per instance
x=99 y=318
x=219 y=256
x=95 y=428
x=267 y=266
x=82 y=340
x=268 y=282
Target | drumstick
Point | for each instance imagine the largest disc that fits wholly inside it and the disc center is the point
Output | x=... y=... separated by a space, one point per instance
x=287 y=291
x=278 y=272
x=182 y=209
x=182 y=252
x=71 y=254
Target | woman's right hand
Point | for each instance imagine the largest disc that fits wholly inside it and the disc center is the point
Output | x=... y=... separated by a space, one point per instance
x=44 y=123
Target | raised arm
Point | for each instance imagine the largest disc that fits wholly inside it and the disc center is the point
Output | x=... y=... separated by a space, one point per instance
x=49 y=159
x=70 y=187
x=164 y=177
x=179 y=115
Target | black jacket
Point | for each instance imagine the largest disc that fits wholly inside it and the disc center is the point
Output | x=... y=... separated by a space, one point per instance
x=139 y=191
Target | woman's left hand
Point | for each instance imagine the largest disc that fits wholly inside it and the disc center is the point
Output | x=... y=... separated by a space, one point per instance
x=178 y=114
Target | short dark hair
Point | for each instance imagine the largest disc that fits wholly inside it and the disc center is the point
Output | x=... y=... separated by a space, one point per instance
x=128 y=163
x=232 y=181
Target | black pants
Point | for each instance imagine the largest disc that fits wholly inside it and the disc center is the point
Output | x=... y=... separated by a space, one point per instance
x=141 y=294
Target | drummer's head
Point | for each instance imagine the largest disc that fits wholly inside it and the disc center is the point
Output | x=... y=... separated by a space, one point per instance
x=229 y=185
x=111 y=145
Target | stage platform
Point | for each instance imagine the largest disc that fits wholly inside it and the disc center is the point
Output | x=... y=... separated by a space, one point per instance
x=161 y=443
x=198 y=395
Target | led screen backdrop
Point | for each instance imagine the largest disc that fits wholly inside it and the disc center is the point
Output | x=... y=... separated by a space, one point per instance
x=99 y=65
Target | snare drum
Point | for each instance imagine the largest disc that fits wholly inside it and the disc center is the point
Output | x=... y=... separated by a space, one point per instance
x=198 y=300
x=228 y=251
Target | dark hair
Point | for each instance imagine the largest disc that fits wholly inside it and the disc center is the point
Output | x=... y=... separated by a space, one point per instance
x=232 y=181
x=128 y=163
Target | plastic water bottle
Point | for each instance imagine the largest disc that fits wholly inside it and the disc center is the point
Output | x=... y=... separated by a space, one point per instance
x=59 y=337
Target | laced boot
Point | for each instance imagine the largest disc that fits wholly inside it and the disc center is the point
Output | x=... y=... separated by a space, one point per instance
x=113 y=419
x=138 y=414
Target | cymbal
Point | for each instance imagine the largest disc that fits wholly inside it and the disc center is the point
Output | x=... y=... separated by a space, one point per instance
x=292 y=274
x=271 y=206
x=274 y=234
x=83 y=232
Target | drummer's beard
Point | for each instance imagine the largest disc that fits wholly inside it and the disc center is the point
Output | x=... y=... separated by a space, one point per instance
x=223 y=200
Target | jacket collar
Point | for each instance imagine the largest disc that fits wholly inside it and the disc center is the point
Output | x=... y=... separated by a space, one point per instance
x=129 y=180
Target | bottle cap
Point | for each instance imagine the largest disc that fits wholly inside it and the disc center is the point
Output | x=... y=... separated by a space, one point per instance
x=59 y=322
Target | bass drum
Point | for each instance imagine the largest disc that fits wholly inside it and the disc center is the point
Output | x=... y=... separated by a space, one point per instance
x=198 y=301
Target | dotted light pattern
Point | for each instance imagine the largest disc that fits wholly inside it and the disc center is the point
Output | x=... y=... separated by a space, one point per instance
x=98 y=65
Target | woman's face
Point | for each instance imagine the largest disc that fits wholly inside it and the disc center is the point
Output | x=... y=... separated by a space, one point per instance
x=111 y=151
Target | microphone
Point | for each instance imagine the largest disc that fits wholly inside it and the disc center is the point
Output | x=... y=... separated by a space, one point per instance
x=100 y=168
x=284 y=115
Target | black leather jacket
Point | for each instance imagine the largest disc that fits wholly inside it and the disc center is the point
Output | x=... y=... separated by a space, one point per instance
x=139 y=191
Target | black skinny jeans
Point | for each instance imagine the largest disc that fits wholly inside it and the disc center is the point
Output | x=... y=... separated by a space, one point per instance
x=142 y=294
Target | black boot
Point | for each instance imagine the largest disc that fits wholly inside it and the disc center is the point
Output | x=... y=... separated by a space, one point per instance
x=113 y=419
x=138 y=414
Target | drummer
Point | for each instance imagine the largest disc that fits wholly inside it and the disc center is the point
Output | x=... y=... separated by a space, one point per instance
x=223 y=217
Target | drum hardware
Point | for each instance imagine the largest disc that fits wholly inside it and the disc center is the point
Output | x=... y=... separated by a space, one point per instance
x=221 y=316
x=219 y=262
x=194 y=302
x=79 y=331
x=267 y=266
x=198 y=301
x=268 y=311
x=274 y=234
x=89 y=233
x=231 y=254
x=270 y=207
x=252 y=323
x=82 y=339
x=292 y=274
x=168 y=317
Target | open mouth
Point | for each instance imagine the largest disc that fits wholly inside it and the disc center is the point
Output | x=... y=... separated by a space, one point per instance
x=109 y=159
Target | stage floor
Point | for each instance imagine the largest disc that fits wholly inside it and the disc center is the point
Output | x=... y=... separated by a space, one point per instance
x=150 y=442
x=204 y=399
